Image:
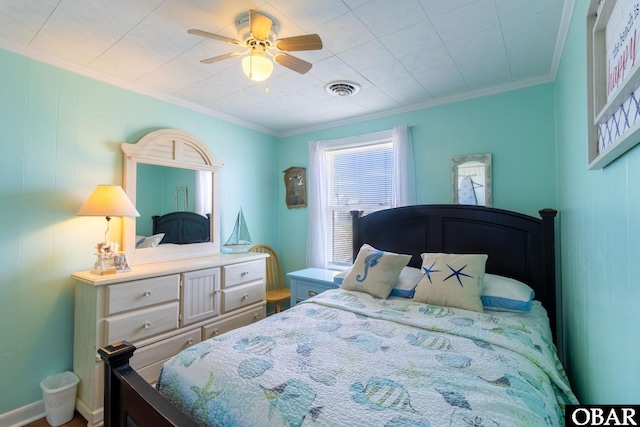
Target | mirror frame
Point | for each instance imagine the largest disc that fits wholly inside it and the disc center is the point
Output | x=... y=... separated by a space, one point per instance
x=485 y=159
x=173 y=148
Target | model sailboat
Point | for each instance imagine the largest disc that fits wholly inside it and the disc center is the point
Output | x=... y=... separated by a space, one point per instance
x=240 y=240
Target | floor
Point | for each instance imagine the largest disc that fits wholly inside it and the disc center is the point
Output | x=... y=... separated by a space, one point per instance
x=77 y=421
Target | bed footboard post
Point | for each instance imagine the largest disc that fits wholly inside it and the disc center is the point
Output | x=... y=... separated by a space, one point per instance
x=115 y=357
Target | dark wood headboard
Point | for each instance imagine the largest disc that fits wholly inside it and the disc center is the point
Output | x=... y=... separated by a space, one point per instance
x=518 y=246
x=183 y=227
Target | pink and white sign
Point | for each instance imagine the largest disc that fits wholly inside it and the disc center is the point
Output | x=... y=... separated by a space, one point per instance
x=621 y=33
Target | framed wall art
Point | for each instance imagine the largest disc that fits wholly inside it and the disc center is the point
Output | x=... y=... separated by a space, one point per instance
x=613 y=79
x=295 y=182
x=471 y=180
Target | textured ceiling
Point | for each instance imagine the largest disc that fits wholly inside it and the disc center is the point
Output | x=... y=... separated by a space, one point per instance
x=405 y=54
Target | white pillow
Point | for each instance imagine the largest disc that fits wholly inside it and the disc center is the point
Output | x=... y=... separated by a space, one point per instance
x=504 y=294
x=453 y=280
x=149 y=242
x=404 y=287
x=374 y=271
x=407 y=282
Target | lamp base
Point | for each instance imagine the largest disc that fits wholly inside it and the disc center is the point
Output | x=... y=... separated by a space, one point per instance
x=103 y=272
x=111 y=264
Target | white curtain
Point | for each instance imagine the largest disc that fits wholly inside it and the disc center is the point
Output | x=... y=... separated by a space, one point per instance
x=204 y=192
x=317 y=241
x=403 y=180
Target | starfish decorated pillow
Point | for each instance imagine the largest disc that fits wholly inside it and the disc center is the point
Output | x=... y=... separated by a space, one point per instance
x=452 y=280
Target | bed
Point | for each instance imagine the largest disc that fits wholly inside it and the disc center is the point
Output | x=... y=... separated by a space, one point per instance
x=349 y=357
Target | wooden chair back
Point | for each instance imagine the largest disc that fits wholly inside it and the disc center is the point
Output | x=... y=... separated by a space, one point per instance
x=274 y=271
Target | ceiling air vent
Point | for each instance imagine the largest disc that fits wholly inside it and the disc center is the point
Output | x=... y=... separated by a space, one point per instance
x=342 y=88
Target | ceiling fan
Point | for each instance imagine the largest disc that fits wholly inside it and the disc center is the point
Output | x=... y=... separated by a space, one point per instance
x=258 y=33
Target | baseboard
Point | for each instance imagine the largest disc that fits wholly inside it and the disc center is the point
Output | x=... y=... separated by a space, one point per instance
x=25 y=415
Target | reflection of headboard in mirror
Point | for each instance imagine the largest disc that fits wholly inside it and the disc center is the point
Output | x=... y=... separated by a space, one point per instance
x=183 y=228
x=179 y=149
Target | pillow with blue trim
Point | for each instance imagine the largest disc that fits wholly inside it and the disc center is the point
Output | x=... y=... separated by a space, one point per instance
x=149 y=242
x=504 y=294
x=374 y=271
x=452 y=280
x=405 y=287
x=407 y=282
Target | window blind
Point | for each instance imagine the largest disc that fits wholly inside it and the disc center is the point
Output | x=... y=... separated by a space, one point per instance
x=359 y=179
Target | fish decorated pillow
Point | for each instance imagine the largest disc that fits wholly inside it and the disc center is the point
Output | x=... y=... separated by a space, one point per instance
x=374 y=271
x=452 y=280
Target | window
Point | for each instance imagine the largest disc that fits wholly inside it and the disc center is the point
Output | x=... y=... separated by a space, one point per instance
x=367 y=173
x=359 y=178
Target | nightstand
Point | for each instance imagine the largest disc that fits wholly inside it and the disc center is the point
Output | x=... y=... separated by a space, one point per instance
x=310 y=282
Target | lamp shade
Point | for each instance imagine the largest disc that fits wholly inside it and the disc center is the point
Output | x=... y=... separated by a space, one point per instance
x=257 y=67
x=108 y=200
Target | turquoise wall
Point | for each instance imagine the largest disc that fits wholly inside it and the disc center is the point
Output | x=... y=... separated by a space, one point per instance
x=61 y=136
x=600 y=244
x=516 y=127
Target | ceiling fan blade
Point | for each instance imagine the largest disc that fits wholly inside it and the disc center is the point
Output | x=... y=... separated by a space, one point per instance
x=221 y=57
x=213 y=36
x=307 y=42
x=291 y=62
x=260 y=25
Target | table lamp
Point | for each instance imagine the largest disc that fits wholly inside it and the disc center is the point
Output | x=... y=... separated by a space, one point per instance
x=108 y=201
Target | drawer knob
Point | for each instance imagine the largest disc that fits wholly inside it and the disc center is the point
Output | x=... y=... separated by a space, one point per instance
x=245 y=296
x=215 y=332
x=244 y=273
x=147 y=325
x=147 y=294
x=190 y=342
x=312 y=293
x=256 y=316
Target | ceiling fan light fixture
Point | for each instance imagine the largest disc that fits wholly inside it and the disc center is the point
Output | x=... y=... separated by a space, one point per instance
x=257 y=67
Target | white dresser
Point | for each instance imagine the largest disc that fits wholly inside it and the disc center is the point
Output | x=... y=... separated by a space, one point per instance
x=161 y=308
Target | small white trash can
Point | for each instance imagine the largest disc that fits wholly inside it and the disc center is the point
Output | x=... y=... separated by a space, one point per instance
x=59 y=395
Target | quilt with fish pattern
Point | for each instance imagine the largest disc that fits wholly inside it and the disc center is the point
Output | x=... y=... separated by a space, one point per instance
x=345 y=358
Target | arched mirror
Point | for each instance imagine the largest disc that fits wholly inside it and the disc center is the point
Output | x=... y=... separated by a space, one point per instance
x=471 y=179
x=173 y=180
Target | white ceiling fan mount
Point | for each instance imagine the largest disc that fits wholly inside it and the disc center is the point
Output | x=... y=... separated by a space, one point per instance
x=243 y=26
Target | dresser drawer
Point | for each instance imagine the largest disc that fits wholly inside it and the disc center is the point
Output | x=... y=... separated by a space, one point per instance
x=142 y=293
x=234 y=322
x=141 y=324
x=240 y=296
x=164 y=350
x=238 y=274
